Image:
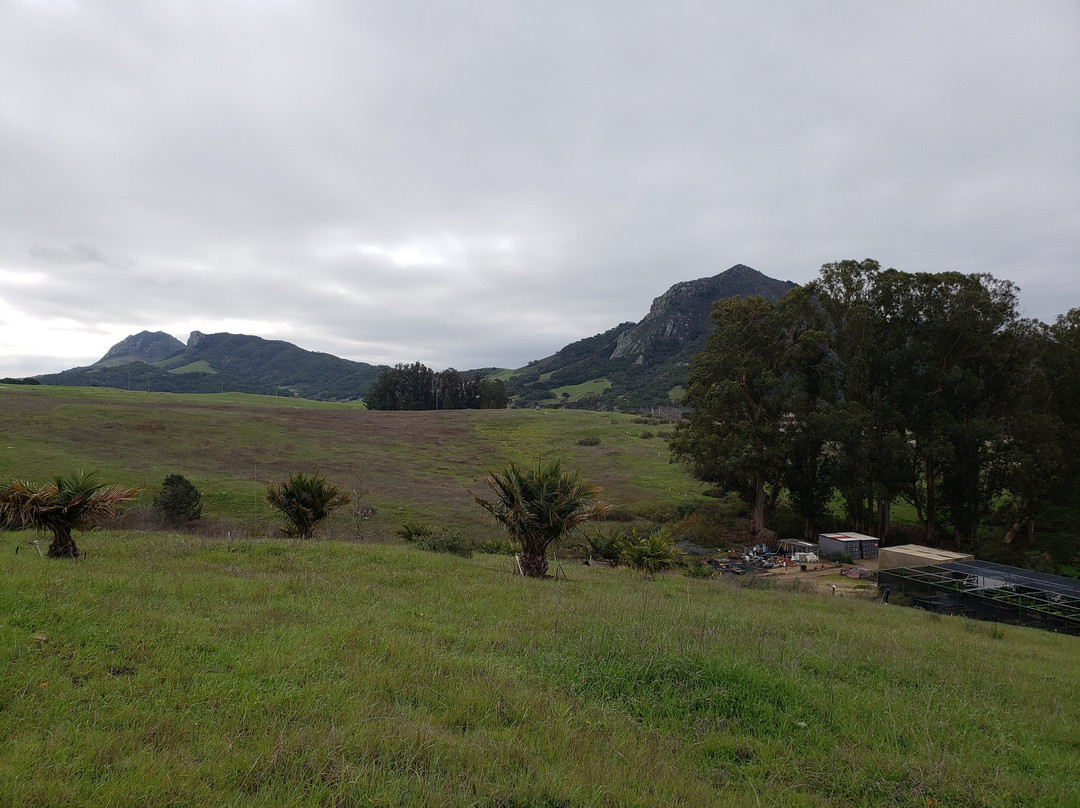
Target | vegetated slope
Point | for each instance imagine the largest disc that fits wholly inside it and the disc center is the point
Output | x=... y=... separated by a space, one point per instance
x=224 y=362
x=643 y=362
x=409 y=465
x=164 y=670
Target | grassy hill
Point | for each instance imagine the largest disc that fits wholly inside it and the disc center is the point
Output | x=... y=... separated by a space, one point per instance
x=167 y=670
x=408 y=465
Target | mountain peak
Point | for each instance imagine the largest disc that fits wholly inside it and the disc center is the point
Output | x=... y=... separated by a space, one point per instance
x=146 y=346
x=683 y=313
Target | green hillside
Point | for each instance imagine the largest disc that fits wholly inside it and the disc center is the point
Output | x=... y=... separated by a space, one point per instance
x=408 y=464
x=218 y=669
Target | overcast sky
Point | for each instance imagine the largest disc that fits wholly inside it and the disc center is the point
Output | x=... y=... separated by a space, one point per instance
x=470 y=183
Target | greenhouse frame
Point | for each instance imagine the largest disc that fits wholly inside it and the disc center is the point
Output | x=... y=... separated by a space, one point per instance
x=988 y=591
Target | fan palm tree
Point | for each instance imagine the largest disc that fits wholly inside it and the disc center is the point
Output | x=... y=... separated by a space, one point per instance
x=305 y=501
x=539 y=507
x=74 y=502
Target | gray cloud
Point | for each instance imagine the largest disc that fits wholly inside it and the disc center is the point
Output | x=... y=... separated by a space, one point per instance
x=481 y=182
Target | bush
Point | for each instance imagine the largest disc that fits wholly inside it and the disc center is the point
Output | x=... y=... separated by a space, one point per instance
x=603 y=543
x=178 y=500
x=436 y=539
x=695 y=568
x=304 y=502
x=649 y=552
x=702 y=529
x=497 y=547
x=593 y=441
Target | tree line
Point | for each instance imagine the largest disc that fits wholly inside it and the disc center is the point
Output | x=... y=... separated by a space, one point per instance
x=871 y=386
x=417 y=387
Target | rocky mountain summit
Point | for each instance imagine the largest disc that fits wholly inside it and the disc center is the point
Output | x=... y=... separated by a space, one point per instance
x=146 y=346
x=683 y=314
x=637 y=365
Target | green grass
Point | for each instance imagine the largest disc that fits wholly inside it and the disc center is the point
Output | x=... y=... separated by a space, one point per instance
x=165 y=670
x=202 y=366
x=409 y=465
x=577 y=391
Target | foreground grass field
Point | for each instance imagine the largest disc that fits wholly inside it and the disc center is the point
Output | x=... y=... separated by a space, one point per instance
x=170 y=670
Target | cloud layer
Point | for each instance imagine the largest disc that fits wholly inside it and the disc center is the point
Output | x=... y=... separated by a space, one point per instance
x=479 y=183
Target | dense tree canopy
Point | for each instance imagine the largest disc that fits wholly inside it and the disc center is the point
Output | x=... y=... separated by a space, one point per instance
x=417 y=387
x=876 y=385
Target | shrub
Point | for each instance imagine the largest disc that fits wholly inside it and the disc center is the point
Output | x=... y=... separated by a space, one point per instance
x=178 y=500
x=700 y=528
x=696 y=568
x=603 y=543
x=73 y=502
x=592 y=441
x=539 y=507
x=649 y=552
x=436 y=539
x=304 y=502
x=496 y=547
x=619 y=513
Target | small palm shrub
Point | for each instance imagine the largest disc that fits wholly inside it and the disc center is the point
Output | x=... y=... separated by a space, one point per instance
x=696 y=568
x=539 y=507
x=603 y=543
x=73 y=502
x=304 y=502
x=496 y=547
x=649 y=552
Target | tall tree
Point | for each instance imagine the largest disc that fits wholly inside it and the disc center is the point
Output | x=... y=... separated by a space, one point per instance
x=868 y=445
x=954 y=369
x=738 y=402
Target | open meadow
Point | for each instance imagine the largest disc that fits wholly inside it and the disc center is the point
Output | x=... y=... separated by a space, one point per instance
x=405 y=465
x=176 y=669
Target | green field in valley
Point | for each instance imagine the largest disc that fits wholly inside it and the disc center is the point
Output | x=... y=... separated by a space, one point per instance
x=218 y=669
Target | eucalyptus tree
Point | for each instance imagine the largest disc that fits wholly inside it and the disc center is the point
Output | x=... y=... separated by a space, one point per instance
x=739 y=404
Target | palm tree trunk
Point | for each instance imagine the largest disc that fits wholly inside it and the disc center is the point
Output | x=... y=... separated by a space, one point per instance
x=62 y=545
x=534 y=565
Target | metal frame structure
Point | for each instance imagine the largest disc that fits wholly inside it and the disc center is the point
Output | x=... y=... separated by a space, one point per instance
x=991 y=591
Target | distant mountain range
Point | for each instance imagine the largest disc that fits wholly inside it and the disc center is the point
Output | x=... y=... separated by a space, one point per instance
x=631 y=365
x=213 y=363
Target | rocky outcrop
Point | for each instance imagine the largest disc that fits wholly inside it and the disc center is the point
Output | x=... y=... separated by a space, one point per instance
x=146 y=346
x=683 y=314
